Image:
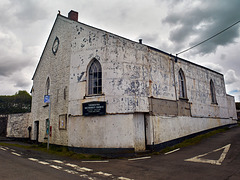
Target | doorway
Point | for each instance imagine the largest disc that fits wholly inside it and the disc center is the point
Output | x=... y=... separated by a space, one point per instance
x=36 y=130
x=3 y=125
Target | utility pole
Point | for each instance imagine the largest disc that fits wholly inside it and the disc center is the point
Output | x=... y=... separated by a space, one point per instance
x=47 y=100
x=49 y=123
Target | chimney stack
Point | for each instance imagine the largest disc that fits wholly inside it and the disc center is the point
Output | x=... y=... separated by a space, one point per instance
x=73 y=15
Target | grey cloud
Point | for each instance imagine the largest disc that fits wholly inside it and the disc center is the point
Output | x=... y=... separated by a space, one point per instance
x=22 y=83
x=12 y=57
x=213 y=66
x=223 y=56
x=9 y=65
x=230 y=77
x=216 y=15
x=181 y=35
x=6 y=70
x=225 y=38
x=29 y=11
x=17 y=14
x=149 y=38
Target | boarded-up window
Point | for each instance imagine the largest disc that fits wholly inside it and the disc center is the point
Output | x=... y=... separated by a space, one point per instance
x=63 y=121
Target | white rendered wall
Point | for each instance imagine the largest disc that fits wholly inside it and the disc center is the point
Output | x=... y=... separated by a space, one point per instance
x=231 y=107
x=162 y=129
x=57 y=68
x=110 y=131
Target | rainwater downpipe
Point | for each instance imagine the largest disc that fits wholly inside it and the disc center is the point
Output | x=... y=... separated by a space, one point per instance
x=174 y=60
x=152 y=136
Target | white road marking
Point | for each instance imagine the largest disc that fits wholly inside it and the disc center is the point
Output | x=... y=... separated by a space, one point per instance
x=12 y=149
x=80 y=169
x=86 y=176
x=134 y=159
x=57 y=161
x=33 y=159
x=123 y=178
x=77 y=168
x=71 y=171
x=172 y=151
x=71 y=165
x=15 y=154
x=56 y=167
x=95 y=161
x=66 y=170
x=215 y=162
x=86 y=169
x=43 y=162
x=3 y=149
x=102 y=173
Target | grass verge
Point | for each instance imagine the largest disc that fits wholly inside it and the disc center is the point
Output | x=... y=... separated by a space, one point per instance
x=55 y=150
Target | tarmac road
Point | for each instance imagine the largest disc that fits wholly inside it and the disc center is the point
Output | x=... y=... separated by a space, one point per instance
x=14 y=167
x=217 y=157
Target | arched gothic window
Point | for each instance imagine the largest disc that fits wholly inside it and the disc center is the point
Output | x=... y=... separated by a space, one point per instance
x=213 y=93
x=182 y=84
x=95 y=78
x=47 y=90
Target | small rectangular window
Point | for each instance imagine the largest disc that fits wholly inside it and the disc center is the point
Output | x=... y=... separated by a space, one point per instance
x=65 y=93
x=57 y=94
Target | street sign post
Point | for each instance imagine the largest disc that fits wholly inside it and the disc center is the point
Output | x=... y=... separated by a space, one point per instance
x=47 y=100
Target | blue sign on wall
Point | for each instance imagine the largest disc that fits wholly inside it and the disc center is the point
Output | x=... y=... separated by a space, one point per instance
x=46 y=98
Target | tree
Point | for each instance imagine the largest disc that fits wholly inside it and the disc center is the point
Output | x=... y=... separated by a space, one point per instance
x=238 y=105
x=18 y=103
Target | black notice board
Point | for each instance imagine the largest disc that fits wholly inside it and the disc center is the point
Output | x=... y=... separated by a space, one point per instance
x=94 y=108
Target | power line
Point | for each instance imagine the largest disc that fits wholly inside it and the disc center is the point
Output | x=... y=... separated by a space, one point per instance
x=208 y=38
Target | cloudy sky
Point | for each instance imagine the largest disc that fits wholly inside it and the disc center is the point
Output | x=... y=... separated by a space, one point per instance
x=170 y=25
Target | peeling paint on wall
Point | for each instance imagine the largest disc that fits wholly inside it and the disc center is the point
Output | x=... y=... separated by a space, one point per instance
x=139 y=85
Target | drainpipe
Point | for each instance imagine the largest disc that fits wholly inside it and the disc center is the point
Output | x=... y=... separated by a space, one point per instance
x=152 y=149
x=174 y=78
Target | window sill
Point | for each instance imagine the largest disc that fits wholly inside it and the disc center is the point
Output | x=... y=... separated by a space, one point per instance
x=93 y=96
x=183 y=99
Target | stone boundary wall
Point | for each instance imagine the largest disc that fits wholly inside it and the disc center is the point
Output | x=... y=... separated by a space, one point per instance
x=17 y=126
